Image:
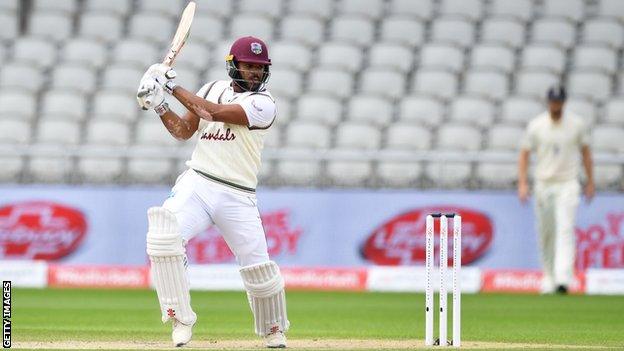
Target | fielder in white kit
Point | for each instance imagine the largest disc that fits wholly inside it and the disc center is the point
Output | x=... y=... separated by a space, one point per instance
x=556 y=137
x=230 y=119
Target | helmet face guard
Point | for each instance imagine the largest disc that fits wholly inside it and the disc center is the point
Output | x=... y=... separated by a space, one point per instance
x=249 y=50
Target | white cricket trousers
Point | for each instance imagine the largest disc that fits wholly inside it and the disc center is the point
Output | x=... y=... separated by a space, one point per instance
x=556 y=205
x=199 y=203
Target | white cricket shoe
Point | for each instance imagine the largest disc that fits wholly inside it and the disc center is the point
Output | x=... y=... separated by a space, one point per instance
x=181 y=333
x=275 y=340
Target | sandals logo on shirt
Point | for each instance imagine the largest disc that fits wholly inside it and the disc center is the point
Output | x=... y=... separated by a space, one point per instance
x=219 y=136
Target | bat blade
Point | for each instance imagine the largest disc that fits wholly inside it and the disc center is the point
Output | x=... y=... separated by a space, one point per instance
x=181 y=34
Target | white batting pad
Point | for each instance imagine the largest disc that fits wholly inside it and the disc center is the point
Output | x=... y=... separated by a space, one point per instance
x=166 y=252
x=265 y=287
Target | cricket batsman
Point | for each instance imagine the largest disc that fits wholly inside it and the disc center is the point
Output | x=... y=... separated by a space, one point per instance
x=556 y=137
x=229 y=120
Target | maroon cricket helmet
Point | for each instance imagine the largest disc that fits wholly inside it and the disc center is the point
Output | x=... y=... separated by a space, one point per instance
x=249 y=50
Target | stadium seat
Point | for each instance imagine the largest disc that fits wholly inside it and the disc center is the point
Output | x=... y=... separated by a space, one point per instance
x=151 y=26
x=608 y=139
x=299 y=172
x=387 y=83
x=291 y=55
x=324 y=109
x=369 y=8
x=421 y=110
x=442 y=56
x=571 y=9
x=592 y=84
x=101 y=25
x=520 y=9
x=614 y=111
x=218 y=8
x=438 y=83
x=69 y=103
x=12 y=167
x=308 y=135
x=17 y=102
x=47 y=169
x=321 y=9
x=207 y=29
x=114 y=105
x=21 y=75
x=41 y=22
x=196 y=56
x=544 y=57
x=447 y=174
x=285 y=82
x=340 y=55
x=402 y=30
x=71 y=76
x=556 y=31
x=61 y=132
x=149 y=170
x=504 y=137
x=608 y=176
x=152 y=132
x=497 y=175
x=408 y=136
x=501 y=30
x=369 y=109
x=219 y=73
x=38 y=51
x=458 y=137
x=171 y=8
x=398 y=174
x=135 y=52
x=358 y=30
x=252 y=24
x=487 y=83
x=84 y=51
x=603 y=31
x=269 y=8
x=520 y=109
x=285 y=112
x=595 y=57
x=9 y=6
x=492 y=56
x=350 y=173
x=272 y=139
x=611 y=8
x=14 y=131
x=109 y=133
x=454 y=30
x=534 y=82
x=421 y=9
x=303 y=28
x=119 y=7
x=10 y=26
x=358 y=136
x=100 y=169
x=472 y=110
x=583 y=108
x=385 y=55
x=470 y=9
x=122 y=77
x=188 y=78
x=330 y=81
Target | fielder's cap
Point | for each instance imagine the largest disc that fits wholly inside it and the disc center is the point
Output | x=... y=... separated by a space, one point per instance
x=556 y=93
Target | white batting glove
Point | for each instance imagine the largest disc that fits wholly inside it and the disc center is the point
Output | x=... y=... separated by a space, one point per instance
x=163 y=75
x=150 y=94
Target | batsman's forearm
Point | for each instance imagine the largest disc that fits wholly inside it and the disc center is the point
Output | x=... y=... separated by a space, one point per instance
x=523 y=166
x=178 y=127
x=200 y=107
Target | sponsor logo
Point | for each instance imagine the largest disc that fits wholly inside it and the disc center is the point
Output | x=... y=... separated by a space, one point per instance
x=40 y=230
x=401 y=239
x=98 y=276
x=521 y=281
x=256 y=48
x=281 y=237
x=219 y=136
x=601 y=245
x=325 y=278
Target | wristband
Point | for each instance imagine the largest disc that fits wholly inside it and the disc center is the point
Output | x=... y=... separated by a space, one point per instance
x=162 y=108
x=169 y=86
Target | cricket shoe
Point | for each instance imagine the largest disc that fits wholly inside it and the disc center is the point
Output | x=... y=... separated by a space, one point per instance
x=181 y=333
x=275 y=339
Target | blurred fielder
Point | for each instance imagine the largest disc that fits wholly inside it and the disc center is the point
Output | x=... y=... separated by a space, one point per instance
x=230 y=119
x=556 y=137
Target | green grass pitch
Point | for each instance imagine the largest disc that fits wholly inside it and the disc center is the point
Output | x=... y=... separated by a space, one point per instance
x=45 y=315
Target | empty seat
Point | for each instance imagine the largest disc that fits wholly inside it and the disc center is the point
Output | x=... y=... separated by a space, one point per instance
x=21 y=75
x=422 y=9
x=38 y=51
x=453 y=30
x=14 y=131
x=504 y=137
x=612 y=8
x=299 y=172
x=520 y=109
x=595 y=57
x=534 y=82
x=285 y=82
x=497 y=175
x=503 y=31
x=608 y=138
x=220 y=51
x=470 y=9
x=392 y=56
x=448 y=173
x=272 y=139
x=188 y=78
x=594 y=85
x=357 y=136
x=354 y=29
x=125 y=78
x=472 y=110
x=521 y=9
x=219 y=73
x=349 y=173
x=270 y=8
x=50 y=25
x=302 y=28
x=100 y=169
x=102 y=26
x=151 y=26
x=438 y=83
x=9 y=6
x=61 y=132
x=331 y=81
x=555 y=31
x=583 y=108
x=608 y=176
x=152 y=132
x=490 y=56
x=387 y=83
x=291 y=55
x=195 y=56
x=442 y=56
x=251 y=24
x=69 y=103
x=490 y=84
x=171 y=8
x=571 y=9
x=71 y=76
x=398 y=174
x=207 y=29
x=119 y=7
x=407 y=136
x=111 y=133
x=459 y=137
x=603 y=31
x=308 y=135
x=50 y=169
x=135 y=52
x=370 y=8
x=421 y=110
x=19 y=103
x=324 y=109
x=614 y=111
x=403 y=30
x=341 y=55
x=85 y=51
x=370 y=109
x=12 y=166
x=112 y=105
x=159 y=170
x=216 y=8
x=10 y=26
x=321 y=8
x=544 y=57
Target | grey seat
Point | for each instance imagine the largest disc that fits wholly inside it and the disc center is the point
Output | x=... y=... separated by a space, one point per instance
x=69 y=103
x=14 y=131
x=252 y=24
x=504 y=137
x=151 y=26
x=383 y=82
x=61 y=132
x=614 y=111
x=72 y=76
x=421 y=110
x=520 y=109
x=386 y=55
x=611 y=8
x=535 y=82
x=491 y=56
x=222 y=9
x=438 y=83
x=584 y=108
x=38 y=51
x=269 y=8
x=369 y=8
x=101 y=25
x=10 y=26
x=603 y=30
x=285 y=82
x=571 y=9
x=370 y=109
x=442 y=56
x=557 y=31
x=355 y=29
x=84 y=51
x=321 y=9
x=330 y=81
x=324 y=109
x=18 y=102
x=403 y=30
x=420 y=9
x=119 y=7
x=135 y=52
x=453 y=29
x=41 y=22
x=592 y=84
x=471 y=110
x=341 y=55
x=207 y=28
x=21 y=75
x=596 y=57
x=543 y=56
x=292 y=55
x=114 y=105
x=520 y=9
x=303 y=28
x=171 y=8
x=487 y=83
x=470 y=9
